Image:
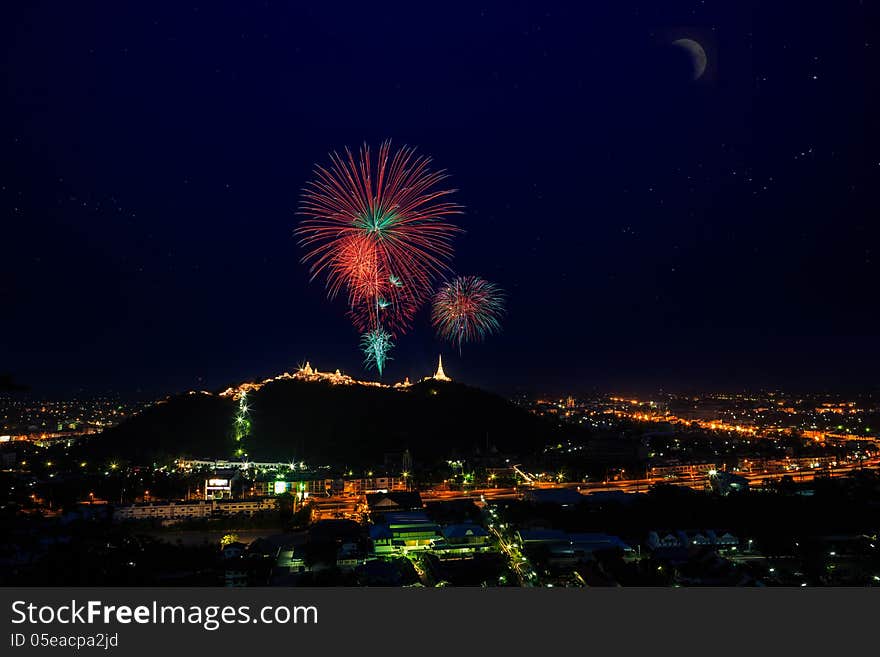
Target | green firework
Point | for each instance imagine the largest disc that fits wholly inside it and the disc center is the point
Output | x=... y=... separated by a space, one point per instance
x=376 y=344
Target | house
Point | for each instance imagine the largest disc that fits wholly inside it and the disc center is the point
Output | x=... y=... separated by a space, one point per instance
x=722 y=538
x=235 y=575
x=233 y=550
x=664 y=539
x=335 y=531
x=403 y=532
x=291 y=560
x=531 y=537
x=658 y=540
x=381 y=537
x=462 y=540
x=560 y=496
x=564 y=547
x=692 y=537
x=585 y=544
x=394 y=502
x=465 y=534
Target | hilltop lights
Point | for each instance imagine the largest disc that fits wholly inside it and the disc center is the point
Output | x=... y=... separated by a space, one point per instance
x=308 y=373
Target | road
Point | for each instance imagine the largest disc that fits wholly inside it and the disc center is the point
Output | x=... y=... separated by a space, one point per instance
x=518 y=562
x=353 y=507
x=637 y=485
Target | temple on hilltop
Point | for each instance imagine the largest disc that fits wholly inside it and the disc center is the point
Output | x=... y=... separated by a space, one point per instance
x=440 y=375
x=303 y=373
x=308 y=373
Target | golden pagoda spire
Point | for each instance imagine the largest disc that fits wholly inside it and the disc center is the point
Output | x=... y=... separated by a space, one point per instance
x=440 y=375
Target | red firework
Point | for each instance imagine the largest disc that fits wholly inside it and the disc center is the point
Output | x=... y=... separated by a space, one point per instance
x=373 y=297
x=378 y=229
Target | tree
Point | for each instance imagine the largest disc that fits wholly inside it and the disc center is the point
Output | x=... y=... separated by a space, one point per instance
x=286 y=505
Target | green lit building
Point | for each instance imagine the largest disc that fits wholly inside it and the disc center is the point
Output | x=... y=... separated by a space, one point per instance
x=297 y=485
x=404 y=532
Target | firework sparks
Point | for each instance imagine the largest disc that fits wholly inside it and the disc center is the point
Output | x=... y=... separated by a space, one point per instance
x=376 y=344
x=467 y=309
x=378 y=228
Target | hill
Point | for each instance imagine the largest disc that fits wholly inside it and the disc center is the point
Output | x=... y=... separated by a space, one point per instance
x=324 y=423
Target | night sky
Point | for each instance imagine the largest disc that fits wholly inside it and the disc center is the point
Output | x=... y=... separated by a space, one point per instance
x=651 y=231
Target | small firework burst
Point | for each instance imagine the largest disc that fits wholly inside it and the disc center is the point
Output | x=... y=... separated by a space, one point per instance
x=467 y=309
x=376 y=344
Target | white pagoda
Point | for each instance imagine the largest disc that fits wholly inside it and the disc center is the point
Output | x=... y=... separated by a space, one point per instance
x=440 y=375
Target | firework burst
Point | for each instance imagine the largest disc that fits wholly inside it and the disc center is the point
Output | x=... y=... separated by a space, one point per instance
x=467 y=309
x=377 y=230
x=376 y=344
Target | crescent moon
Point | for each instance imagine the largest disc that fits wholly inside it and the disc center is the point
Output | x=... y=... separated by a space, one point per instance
x=698 y=55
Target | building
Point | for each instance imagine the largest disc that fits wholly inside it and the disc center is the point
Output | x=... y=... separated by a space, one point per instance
x=393 y=502
x=439 y=375
x=233 y=550
x=293 y=559
x=725 y=483
x=659 y=540
x=570 y=546
x=300 y=486
x=218 y=486
x=664 y=539
x=465 y=534
x=695 y=537
x=367 y=485
x=722 y=539
x=463 y=540
x=235 y=576
x=681 y=470
x=403 y=532
x=560 y=496
x=177 y=511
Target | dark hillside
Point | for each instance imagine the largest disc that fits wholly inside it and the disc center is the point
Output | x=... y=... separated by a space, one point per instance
x=324 y=423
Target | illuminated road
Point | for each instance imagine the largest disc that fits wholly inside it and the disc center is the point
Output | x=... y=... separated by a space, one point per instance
x=720 y=425
x=638 y=485
x=520 y=565
x=353 y=507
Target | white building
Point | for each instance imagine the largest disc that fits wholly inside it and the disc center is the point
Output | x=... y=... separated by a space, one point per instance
x=192 y=510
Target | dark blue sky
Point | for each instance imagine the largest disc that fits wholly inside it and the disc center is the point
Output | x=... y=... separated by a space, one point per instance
x=651 y=231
